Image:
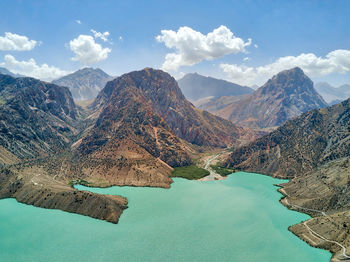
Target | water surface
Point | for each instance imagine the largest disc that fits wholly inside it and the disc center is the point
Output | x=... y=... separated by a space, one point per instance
x=238 y=219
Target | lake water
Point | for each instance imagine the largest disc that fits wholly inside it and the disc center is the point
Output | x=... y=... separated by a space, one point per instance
x=238 y=219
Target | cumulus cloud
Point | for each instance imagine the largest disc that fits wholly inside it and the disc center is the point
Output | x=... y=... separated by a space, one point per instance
x=31 y=68
x=16 y=42
x=87 y=51
x=193 y=47
x=337 y=61
x=103 y=36
x=78 y=22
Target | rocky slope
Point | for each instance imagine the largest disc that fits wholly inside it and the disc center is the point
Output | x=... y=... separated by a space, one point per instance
x=195 y=86
x=85 y=83
x=288 y=94
x=314 y=151
x=166 y=99
x=36 y=118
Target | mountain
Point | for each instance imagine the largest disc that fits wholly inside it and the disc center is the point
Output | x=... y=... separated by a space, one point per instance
x=166 y=99
x=195 y=86
x=333 y=94
x=84 y=83
x=5 y=71
x=287 y=95
x=36 y=118
x=313 y=150
x=39 y=120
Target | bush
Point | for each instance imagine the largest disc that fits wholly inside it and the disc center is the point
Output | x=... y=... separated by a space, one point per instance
x=223 y=171
x=189 y=172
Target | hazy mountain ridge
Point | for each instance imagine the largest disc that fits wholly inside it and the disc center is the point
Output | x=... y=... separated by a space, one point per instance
x=333 y=94
x=195 y=86
x=5 y=71
x=85 y=83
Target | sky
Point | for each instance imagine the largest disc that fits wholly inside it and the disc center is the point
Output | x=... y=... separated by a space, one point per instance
x=245 y=41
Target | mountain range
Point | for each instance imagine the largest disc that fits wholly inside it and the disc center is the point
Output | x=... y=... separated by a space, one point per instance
x=288 y=94
x=85 y=83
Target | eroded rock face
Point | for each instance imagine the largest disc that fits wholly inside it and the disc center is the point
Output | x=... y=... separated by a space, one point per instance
x=37 y=118
x=287 y=95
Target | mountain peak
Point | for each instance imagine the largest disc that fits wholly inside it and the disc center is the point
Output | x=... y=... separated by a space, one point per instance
x=84 y=83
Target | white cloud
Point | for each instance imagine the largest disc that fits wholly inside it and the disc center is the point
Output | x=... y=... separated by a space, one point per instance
x=246 y=59
x=193 y=47
x=78 y=22
x=87 y=51
x=120 y=38
x=256 y=46
x=337 y=61
x=16 y=42
x=104 y=36
x=31 y=68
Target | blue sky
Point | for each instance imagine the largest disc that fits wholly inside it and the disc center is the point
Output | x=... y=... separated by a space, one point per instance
x=278 y=28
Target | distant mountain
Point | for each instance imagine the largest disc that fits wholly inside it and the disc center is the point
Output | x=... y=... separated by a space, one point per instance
x=5 y=71
x=84 y=83
x=332 y=94
x=195 y=86
x=313 y=150
x=215 y=104
x=286 y=95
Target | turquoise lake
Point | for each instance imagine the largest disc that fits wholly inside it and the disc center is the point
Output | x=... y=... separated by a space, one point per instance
x=237 y=219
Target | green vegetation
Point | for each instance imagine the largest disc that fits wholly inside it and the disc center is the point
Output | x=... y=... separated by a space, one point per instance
x=79 y=182
x=223 y=171
x=189 y=172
